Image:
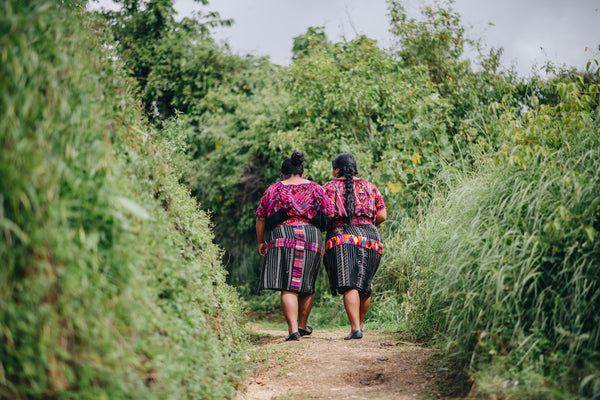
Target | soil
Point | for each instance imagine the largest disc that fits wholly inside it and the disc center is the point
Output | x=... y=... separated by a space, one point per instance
x=325 y=366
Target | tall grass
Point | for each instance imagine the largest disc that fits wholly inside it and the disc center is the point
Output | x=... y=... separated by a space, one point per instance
x=110 y=285
x=505 y=266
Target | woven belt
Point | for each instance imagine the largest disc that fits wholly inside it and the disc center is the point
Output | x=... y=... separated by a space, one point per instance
x=361 y=241
x=296 y=245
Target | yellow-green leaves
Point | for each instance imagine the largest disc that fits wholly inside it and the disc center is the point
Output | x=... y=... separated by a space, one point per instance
x=416 y=158
x=394 y=187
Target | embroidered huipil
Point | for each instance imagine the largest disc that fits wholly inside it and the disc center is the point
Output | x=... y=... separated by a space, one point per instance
x=303 y=200
x=367 y=201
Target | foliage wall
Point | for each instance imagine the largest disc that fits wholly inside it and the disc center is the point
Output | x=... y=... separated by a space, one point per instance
x=110 y=284
x=504 y=267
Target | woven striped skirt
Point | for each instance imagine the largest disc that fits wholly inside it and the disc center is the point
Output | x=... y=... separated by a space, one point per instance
x=352 y=256
x=293 y=259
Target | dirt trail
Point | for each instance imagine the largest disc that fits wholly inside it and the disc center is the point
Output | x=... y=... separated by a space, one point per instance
x=324 y=366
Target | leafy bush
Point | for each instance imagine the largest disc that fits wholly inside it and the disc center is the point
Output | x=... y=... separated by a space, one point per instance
x=507 y=262
x=111 y=286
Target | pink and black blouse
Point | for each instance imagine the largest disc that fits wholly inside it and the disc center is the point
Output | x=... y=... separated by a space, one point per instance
x=302 y=200
x=367 y=201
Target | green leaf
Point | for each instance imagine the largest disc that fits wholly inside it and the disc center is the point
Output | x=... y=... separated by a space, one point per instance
x=590 y=233
x=133 y=207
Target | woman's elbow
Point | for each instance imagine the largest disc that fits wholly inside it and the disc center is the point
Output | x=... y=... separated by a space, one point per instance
x=380 y=216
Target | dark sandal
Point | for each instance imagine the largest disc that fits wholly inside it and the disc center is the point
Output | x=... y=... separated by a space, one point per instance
x=293 y=336
x=305 y=332
x=358 y=334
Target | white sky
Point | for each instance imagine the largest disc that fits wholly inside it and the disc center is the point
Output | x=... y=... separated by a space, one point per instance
x=532 y=32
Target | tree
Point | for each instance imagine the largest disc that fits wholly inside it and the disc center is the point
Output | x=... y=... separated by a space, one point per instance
x=174 y=62
x=315 y=38
x=437 y=42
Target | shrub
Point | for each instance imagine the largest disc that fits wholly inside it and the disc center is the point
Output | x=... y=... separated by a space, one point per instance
x=507 y=261
x=110 y=286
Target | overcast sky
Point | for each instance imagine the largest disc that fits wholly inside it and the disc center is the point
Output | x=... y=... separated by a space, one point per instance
x=532 y=32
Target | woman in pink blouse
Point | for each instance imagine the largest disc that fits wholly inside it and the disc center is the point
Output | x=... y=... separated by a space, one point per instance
x=292 y=255
x=353 y=246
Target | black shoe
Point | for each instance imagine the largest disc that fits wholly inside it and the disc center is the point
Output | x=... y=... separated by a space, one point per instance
x=293 y=336
x=305 y=332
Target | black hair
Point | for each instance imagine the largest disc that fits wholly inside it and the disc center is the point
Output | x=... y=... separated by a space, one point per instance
x=348 y=169
x=293 y=165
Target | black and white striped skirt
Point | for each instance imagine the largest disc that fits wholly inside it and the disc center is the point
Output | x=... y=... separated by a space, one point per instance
x=293 y=259
x=352 y=256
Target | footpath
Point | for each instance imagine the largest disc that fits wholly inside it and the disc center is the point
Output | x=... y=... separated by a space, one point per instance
x=324 y=366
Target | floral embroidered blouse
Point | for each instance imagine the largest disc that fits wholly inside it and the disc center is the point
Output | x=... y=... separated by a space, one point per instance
x=367 y=201
x=303 y=200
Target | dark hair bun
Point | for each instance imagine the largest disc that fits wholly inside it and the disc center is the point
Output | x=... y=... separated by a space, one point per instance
x=297 y=158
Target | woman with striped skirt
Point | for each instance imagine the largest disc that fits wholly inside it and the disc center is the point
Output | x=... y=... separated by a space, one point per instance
x=292 y=256
x=353 y=246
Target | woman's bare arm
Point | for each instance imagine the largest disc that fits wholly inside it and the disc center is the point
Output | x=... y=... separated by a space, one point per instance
x=380 y=216
x=260 y=236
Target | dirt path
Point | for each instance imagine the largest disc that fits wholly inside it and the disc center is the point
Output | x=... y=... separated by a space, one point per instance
x=324 y=366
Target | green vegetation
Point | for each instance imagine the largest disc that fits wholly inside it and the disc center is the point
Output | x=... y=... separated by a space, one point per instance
x=113 y=286
x=110 y=284
x=505 y=265
x=489 y=179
